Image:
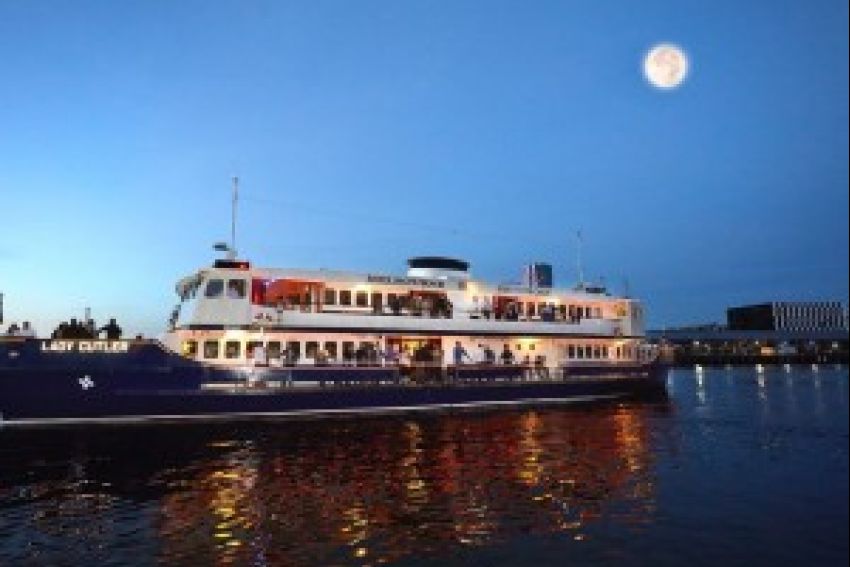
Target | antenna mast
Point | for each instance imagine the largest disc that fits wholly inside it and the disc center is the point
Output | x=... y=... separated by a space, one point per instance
x=579 y=266
x=232 y=251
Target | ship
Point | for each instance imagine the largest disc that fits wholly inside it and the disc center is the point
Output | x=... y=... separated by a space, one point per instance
x=248 y=342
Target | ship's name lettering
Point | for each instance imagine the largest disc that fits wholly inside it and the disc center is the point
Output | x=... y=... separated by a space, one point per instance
x=85 y=346
x=404 y=281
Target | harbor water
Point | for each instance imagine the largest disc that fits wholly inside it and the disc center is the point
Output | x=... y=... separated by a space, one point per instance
x=737 y=466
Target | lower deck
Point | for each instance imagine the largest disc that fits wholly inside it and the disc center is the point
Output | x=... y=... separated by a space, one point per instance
x=239 y=347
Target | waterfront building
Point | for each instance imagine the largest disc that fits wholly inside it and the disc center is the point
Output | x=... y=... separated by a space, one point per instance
x=794 y=316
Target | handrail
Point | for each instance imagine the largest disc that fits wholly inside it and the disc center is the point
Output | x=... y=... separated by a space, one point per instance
x=471 y=315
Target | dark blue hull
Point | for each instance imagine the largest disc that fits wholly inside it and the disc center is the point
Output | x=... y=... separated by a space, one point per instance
x=148 y=383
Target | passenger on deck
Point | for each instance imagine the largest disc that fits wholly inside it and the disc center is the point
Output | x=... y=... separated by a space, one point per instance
x=391 y=356
x=507 y=357
x=13 y=330
x=459 y=353
x=260 y=358
x=540 y=367
x=112 y=330
x=361 y=356
x=486 y=308
x=27 y=330
x=395 y=305
x=489 y=356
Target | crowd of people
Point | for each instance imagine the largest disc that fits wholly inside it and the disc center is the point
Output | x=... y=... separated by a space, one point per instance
x=75 y=329
x=72 y=329
x=24 y=330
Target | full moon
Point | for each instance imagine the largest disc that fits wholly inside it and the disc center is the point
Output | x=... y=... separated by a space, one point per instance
x=665 y=66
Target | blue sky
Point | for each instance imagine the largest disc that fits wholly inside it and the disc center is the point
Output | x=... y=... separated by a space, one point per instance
x=366 y=132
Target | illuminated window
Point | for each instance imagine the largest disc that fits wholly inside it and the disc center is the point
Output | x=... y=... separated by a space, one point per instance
x=249 y=348
x=210 y=349
x=345 y=297
x=232 y=349
x=330 y=348
x=190 y=348
x=214 y=288
x=330 y=296
x=273 y=349
x=311 y=349
x=293 y=350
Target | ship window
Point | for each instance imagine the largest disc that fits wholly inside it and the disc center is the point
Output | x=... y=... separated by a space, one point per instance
x=571 y=351
x=605 y=352
x=236 y=289
x=214 y=288
x=345 y=297
x=330 y=349
x=579 y=351
x=597 y=352
x=531 y=346
x=330 y=296
x=231 y=349
x=531 y=310
x=210 y=349
x=597 y=312
x=619 y=352
x=273 y=349
x=293 y=350
x=311 y=349
x=250 y=346
x=190 y=349
x=347 y=350
x=362 y=299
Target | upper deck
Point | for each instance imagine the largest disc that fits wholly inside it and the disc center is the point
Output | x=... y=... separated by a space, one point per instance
x=426 y=300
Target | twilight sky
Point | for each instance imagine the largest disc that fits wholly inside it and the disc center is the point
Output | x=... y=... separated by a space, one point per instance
x=366 y=132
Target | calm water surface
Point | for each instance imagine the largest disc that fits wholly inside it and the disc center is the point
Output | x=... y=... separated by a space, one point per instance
x=739 y=467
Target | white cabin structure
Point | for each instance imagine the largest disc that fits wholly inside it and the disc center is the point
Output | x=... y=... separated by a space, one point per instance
x=308 y=317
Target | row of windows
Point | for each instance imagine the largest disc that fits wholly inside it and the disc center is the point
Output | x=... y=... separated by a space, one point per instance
x=361 y=298
x=212 y=349
x=346 y=297
x=598 y=352
x=236 y=289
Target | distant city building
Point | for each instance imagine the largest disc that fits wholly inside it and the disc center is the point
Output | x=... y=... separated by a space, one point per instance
x=789 y=316
x=537 y=275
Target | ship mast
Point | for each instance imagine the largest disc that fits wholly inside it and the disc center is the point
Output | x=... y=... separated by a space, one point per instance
x=579 y=266
x=232 y=252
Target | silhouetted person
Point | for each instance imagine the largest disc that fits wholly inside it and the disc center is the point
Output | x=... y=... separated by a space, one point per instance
x=507 y=356
x=27 y=330
x=112 y=330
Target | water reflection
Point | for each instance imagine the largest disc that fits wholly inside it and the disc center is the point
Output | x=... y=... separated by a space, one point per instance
x=361 y=492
